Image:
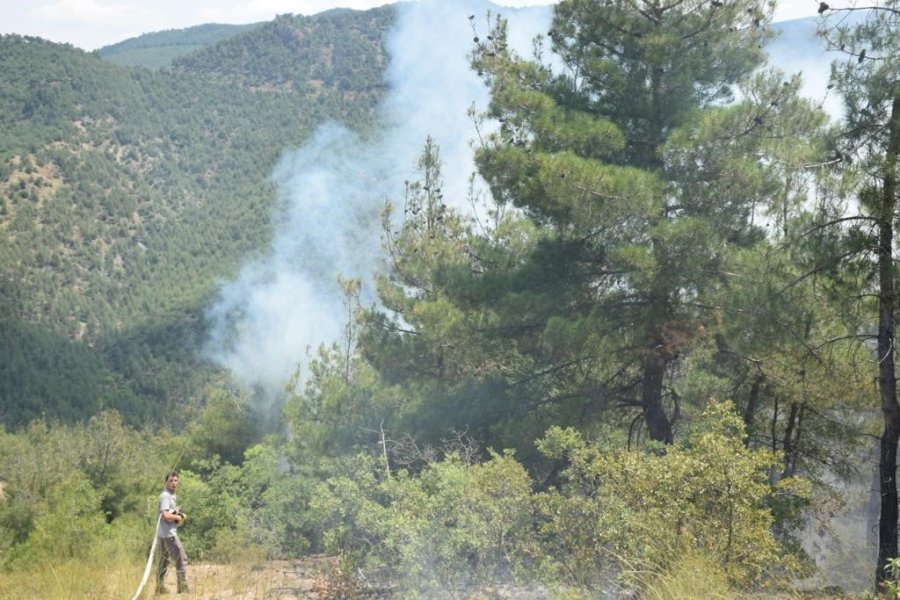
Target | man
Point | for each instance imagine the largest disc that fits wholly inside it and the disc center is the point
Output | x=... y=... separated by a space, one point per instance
x=170 y=516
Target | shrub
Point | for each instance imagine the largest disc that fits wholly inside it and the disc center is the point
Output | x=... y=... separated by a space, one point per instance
x=252 y=511
x=72 y=526
x=622 y=514
x=455 y=526
x=620 y=521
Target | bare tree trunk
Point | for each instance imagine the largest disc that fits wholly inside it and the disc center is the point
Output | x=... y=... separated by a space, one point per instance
x=651 y=398
x=773 y=427
x=887 y=377
x=750 y=410
x=787 y=443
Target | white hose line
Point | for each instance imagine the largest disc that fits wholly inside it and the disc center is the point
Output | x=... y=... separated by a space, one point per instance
x=149 y=561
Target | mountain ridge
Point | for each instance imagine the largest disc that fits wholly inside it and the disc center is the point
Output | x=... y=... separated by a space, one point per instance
x=158 y=49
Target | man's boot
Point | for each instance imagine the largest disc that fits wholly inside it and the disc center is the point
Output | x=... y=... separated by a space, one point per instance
x=182 y=584
x=161 y=583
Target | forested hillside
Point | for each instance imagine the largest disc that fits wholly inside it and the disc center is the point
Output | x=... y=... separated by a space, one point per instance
x=158 y=49
x=127 y=193
x=336 y=56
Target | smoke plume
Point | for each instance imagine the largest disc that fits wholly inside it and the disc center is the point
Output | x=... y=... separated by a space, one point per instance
x=332 y=189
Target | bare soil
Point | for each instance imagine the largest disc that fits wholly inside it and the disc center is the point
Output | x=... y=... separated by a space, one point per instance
x=310 y=578
x=271 y=580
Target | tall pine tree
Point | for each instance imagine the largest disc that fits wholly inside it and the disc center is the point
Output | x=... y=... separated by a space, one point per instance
x=647 y=155
x=868 y=78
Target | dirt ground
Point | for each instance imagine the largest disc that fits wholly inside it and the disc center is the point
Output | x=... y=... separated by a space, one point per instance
x=312 y=578
x=318 y=578
x=305 y=579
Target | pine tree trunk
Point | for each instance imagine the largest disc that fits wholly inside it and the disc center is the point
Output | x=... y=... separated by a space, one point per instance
x=887 y=522
x=750 y=410
x=787 y=443
x=651 y=397
x=887 y=377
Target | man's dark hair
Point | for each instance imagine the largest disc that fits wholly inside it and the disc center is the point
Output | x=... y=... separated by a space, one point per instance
x=170 y=475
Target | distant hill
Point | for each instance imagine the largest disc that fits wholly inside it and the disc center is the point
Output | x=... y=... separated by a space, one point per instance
x=159 y=49
x=126 y=195
x=335 y=51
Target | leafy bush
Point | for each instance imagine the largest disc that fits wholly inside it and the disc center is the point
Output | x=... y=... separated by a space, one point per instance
x=247 y=512
x=72 y=492
x=454 y=526
x=620 y=515
x=71 y=526
x=619 y=520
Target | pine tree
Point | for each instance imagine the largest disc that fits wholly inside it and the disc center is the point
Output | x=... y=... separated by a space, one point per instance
x=644 y=172
x=869 y=80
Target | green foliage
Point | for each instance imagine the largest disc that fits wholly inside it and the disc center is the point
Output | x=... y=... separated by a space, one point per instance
x=46 y=374
x=623 y=266
x=891 y=585
x=224 y=428
x=618 y=515
x=454 y=526
x=462 y=316
x=614 y=517
x=867 y=150
x=74 y=492
x=866 y=73
x=623 y=184
x=799 y=361
x=252 y=511
x=89 y=492
x=71 y=527
x=341 y=409
x=335 y=55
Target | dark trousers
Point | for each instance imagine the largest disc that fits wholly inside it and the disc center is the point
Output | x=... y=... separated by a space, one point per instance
x=171 y=549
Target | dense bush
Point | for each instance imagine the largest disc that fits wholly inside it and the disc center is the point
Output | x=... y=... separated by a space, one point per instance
x=615 y=517
x=253 y=511
x=78 y=492
x=453 y=526
x=615 y=520
x=621 y=514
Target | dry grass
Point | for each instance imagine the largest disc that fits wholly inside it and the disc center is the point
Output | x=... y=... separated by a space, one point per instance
x=272 y=580
x=315 y=578
x=69 y=581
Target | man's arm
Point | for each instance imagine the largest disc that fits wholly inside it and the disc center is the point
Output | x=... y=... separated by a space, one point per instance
x=168 y=514
x=171 y=516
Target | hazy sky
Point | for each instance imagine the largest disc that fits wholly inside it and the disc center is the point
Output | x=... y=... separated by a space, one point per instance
x=92 y=24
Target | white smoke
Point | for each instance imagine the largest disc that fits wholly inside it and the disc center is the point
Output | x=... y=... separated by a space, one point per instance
x=332 y=190
x=799 y=50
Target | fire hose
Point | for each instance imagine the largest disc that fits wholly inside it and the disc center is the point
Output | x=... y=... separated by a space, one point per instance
x=149 y=562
